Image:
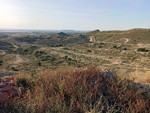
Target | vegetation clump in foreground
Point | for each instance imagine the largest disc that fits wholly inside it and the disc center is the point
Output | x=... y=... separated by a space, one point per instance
x=88 y=90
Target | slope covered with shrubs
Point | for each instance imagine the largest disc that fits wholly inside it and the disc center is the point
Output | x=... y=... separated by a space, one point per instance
x=68 y=90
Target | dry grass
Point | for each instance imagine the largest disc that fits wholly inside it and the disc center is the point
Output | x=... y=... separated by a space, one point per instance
x=138 y=77
x=70 y=90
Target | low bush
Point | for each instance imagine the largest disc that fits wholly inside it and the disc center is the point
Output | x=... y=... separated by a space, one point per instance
x=1 y=62
x=27 y=82
x=40 y=53
x=39 y=63
x=88 y=90
x=13 y=69
x=89 y=51
x=142 y=50
x=100 y=46
x=58 y=45
x=21 y=82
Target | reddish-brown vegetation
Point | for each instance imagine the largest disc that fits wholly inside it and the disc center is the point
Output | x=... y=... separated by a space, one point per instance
x=78 y=91
x=8 y=90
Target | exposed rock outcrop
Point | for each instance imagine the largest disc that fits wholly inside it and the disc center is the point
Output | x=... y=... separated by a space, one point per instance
x=8 y=90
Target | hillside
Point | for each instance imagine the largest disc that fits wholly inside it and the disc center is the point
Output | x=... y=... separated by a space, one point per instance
x=63 y=38
x=99 y=71
x=5 y=45
x=134 y=36
x=124 y=51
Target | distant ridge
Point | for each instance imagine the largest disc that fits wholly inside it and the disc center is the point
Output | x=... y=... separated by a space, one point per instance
x=135 y=36
x=38 y=30
x=62 y=34
x=94 y=32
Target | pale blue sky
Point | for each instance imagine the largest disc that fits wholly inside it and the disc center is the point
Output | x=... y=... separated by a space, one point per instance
x=75 y=14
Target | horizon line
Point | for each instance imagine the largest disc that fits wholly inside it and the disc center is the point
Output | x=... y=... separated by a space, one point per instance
x=21 y=29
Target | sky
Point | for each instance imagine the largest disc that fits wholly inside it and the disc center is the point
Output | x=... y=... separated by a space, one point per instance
x=74 y=14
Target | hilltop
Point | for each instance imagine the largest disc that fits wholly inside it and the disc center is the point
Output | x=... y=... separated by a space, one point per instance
x=134 y=36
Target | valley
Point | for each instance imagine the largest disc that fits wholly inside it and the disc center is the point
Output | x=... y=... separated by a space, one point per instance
x=121 y=51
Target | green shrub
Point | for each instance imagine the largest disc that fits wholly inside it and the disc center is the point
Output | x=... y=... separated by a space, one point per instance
x=89 y=51
x=21 y=82
x=100 y=46
x=39 y=64
x=66 y=57
x=1 y=62
x=65 y=48
x=26 y=81
x=58 y=45
x=124 y=48
x=102 y=43
x=39 y=53
x=53 y=59
x=14 y=69
x=116 y=47
x=45 y=58
x=142 y=50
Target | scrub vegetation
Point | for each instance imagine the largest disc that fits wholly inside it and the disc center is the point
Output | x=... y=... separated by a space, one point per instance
x=94 y=72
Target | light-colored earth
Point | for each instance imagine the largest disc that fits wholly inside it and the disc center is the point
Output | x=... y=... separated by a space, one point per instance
x=126 y=40
x=15 y=46
x=19 y=59
x=143 y=45
x=111 y=61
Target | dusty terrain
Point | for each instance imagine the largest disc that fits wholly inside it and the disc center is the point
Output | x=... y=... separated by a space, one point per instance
x=122 y=51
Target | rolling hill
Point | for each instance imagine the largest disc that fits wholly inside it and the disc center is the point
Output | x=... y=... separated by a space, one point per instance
x=134 y=36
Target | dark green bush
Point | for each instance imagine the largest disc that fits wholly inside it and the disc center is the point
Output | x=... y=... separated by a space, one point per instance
x=142 y=50
x=39 y=64
x=25 y=82
x=14 y=69
x=1 y=62
x=124 y=48
x=100 y=46
x=102 y=43
x=66 y=57
x=39 y=53
x=58 y=45
x=89 y=51
x=66 y=48
x=21 y=82
x=53 y=59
